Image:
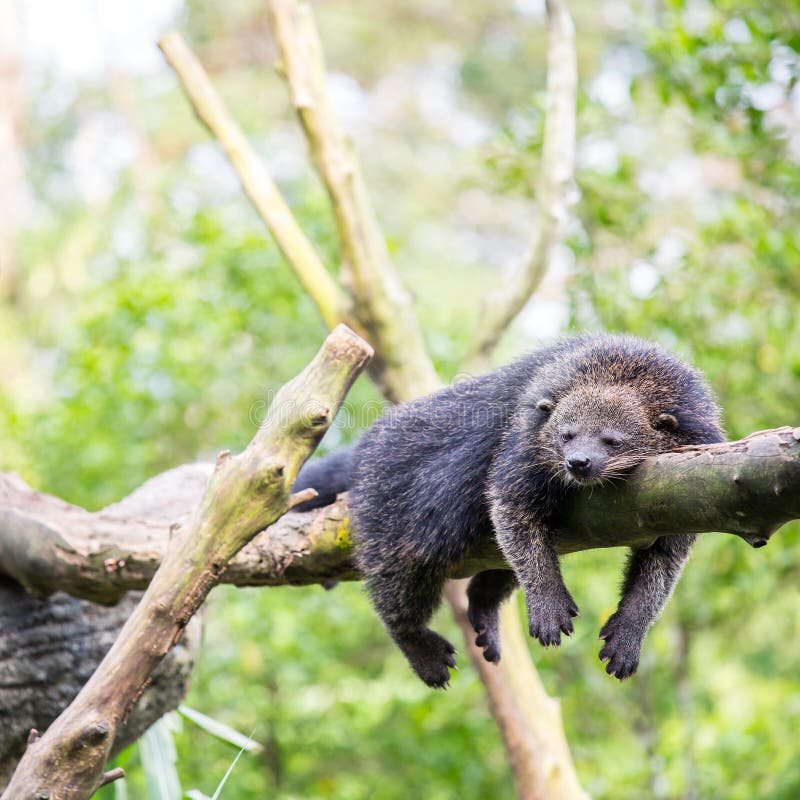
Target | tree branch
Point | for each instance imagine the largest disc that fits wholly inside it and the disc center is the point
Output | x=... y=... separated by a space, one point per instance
x=244 y=494
x=332 y=303
x=383 y=304
x=552 y=192
x=749 y=488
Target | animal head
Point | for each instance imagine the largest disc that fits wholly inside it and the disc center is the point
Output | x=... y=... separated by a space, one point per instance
x=598 y=433
x=599 y=413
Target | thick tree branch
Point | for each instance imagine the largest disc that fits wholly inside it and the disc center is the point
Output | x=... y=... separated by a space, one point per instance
x=749 y=488
x=244 y=494
x=552 y=191
x=383 y=304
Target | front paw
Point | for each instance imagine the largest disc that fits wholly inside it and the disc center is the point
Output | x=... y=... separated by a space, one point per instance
x=623 y=645
x=551 y=615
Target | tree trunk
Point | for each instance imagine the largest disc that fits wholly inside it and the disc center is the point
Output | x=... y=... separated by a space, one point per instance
x=50 y=648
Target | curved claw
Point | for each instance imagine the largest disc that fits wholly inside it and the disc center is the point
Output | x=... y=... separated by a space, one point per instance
x=430 y=655
x=550 y=618
x=621 y=647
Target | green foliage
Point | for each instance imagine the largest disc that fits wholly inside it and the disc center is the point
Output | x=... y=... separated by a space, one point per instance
x=159 y=757
x=334 y=705
x=167 y=356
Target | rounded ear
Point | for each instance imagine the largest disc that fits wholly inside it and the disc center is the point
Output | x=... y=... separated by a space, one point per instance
x=546 y=405
x=666 y=422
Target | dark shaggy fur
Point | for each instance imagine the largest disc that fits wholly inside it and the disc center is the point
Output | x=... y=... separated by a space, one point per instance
x=329 y=476
x=504 y=452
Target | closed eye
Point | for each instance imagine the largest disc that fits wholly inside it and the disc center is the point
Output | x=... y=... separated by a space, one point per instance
x=612 y=441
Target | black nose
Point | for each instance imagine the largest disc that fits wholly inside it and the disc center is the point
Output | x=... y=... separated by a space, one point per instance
x=759 y=542
x=579 y=463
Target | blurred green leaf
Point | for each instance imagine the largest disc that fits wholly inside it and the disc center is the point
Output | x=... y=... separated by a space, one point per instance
x=159 y=757
x=219 y=730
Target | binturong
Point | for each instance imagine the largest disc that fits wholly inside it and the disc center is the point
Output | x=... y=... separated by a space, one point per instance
x=504 y=453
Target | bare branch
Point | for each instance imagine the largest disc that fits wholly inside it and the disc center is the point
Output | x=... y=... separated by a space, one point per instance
x=383 y=305
x=332 y=303
x=244 y=494
x=552 y=192
x=111 y=776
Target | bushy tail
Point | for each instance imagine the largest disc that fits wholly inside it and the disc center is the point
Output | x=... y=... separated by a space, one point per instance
x=329 y=475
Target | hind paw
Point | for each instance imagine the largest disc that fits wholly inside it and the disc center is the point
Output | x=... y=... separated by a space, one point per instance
x=431 y=656
x=486 y=623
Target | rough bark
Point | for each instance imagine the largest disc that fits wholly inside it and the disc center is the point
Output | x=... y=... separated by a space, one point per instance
x=48 y=545
x=244 y=494
x=50 y=647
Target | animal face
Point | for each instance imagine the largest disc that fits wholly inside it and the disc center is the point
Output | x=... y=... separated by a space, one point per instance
x=598 y=433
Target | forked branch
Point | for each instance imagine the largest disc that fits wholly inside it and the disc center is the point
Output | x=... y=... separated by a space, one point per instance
x=244 y=494
x=553 y=190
